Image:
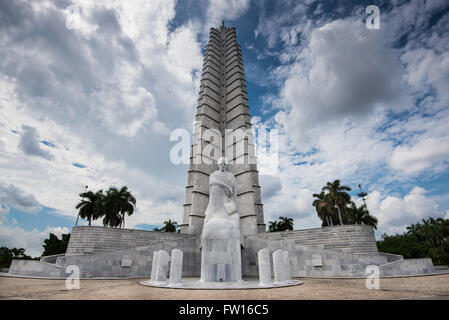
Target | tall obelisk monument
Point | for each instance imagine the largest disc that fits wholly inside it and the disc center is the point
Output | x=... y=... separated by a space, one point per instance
x=223 y=107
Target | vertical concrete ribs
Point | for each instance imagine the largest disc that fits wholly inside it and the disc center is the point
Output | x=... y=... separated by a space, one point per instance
x=223 y=105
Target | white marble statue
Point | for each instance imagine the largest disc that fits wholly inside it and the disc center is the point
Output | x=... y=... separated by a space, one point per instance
x=220 y=239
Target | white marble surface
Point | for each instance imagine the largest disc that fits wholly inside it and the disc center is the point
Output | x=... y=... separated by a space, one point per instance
x=154 y=265
x=194 y=283
x=278 y=266
x=176 y=266
x=264 y=267
x=288 y=274
x=162 y=266
x=221 y=258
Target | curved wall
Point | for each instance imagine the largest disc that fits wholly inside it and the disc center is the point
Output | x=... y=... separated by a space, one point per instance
x=355 y=239
x=88 y=240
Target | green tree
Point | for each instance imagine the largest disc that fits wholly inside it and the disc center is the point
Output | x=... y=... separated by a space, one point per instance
x=283 y=224
x=6 y=256
x=54 y=245
x=272 y=226
x=115 y=205
x=428 y=238
x=360 y=215
x=338 y=196
x=169 y=226
x=90 y=206
x=65 y=238
x=323 y=208
x=18 y=253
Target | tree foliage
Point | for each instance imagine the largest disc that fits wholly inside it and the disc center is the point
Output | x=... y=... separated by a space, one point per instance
x=284 y=223
x=428 y=239
x=169 y=226
x=6 y=256
x=111 y=206
x=54 y=245
x=334 y=205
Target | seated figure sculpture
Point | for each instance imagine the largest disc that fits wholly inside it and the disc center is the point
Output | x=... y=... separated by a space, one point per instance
x=220 y=239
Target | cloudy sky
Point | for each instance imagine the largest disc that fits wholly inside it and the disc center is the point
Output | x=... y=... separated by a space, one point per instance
x=95 y=105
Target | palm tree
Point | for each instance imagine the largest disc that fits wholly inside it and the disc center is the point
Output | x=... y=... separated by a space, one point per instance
x=169 y=226
x=360 y=215
x=285 y=224
x=272 y=226
x=18 y=253
x=128 y=203
x=117 y=203
x=323 y=208
x=90 y=207
x=338 y=195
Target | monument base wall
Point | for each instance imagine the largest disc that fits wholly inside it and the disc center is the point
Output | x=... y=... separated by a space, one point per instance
x=343 y=251
x=90 y=239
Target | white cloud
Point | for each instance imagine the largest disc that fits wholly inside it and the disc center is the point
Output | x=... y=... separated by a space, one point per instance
x=225 y=10
x=424 y=154
x=30 y=144
x=395 y=213
x=3 y=212
x=105 y=96
x=270 y=185
x=125 y=108
x=12 y=196
x=294 y=203
x=345 y=71
x=32 y=241
x=283 y=23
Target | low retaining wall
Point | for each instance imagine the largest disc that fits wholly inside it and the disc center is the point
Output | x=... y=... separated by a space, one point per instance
x=391 y=257
x=33 y=268
x=407 y=267
x=52 y=258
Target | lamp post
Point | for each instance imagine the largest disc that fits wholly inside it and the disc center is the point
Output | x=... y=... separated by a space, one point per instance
x=362 y=195
x=77 y=218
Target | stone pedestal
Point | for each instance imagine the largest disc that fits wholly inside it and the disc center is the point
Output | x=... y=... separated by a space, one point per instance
x=154 y=265
x=288 y=275
x=281 y=266
x=161 y=266
x=278 y=266
x=176 y=267
x=264 y=268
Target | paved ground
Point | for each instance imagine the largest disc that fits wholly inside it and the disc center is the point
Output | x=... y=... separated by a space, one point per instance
x=428 y=287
